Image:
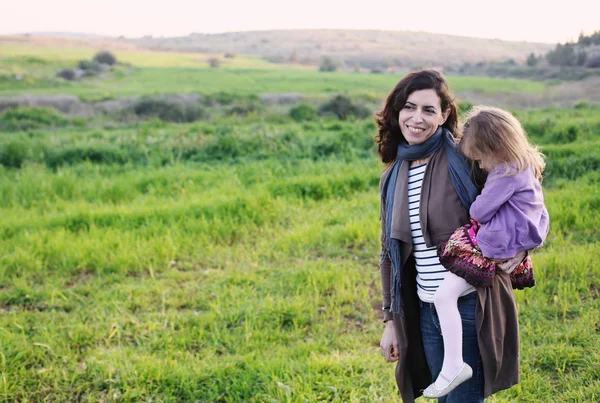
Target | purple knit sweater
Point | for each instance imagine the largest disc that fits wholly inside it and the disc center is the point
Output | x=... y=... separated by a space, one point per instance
x=511 y=212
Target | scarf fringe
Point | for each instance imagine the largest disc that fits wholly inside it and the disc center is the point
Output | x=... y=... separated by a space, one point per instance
x=396 y=259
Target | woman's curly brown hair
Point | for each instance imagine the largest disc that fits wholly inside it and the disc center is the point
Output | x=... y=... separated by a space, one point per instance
x=389 y=134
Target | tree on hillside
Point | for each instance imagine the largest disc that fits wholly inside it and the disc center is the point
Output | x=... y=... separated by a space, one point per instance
x=593 y=39
x=584 y=40
x=532 y=60
x=575 y=54
x=327 y=64
x=562 y=55
x=581 y=56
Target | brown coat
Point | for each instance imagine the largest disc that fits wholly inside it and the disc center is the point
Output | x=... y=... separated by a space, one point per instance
x=495 y=314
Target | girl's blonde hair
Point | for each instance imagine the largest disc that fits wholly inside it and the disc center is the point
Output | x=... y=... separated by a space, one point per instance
x=495 y=135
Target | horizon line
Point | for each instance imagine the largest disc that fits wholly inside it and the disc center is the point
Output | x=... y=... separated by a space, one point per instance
x=114 y=36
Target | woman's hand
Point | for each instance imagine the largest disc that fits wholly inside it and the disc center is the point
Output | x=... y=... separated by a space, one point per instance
x=389 y=342
x=509 y=265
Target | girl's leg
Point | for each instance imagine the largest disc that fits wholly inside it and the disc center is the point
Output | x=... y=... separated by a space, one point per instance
x=470 y=391
x=446 y=305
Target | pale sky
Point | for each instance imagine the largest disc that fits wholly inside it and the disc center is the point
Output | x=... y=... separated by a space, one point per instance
x=529 y=20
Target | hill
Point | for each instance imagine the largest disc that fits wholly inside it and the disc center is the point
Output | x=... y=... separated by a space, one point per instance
x=367 y=49
x=72 y=35
x=353 y=48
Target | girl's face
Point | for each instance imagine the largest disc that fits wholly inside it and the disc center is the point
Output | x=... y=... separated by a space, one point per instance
x=421 y=116
x=486 y=163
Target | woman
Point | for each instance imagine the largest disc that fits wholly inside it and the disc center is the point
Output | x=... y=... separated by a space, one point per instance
x=426 y=192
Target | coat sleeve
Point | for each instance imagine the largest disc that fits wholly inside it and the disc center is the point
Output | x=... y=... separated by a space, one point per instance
x=495 y=193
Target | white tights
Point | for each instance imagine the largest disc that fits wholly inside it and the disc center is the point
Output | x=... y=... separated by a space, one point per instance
x=446 y=305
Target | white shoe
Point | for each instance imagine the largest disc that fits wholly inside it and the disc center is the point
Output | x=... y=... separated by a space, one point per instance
x=465 y=373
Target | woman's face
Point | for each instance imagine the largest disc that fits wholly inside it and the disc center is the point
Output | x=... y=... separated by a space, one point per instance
x=421 y=115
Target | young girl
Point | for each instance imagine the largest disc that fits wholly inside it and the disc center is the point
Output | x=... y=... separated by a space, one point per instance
x=508 y=218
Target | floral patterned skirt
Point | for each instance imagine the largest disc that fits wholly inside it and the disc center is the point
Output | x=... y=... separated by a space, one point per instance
x=461 y=255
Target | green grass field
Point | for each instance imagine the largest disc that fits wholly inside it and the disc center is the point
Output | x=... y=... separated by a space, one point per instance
x=60 y=54
x=161 y=72
x=235 y=259
x=245 y=82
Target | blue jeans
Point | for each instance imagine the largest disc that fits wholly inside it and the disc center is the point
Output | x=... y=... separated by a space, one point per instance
x=472 y=390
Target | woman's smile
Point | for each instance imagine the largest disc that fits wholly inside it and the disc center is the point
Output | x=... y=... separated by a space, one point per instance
x=415 y=130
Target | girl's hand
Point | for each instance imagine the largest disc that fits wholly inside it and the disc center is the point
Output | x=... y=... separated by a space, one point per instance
x=389 y=342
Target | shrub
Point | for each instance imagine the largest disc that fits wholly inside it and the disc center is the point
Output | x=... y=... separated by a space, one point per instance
x=334 y=127
x=303 y=112
x=563 y=135
x=68 y=74
x=221 y=148
x=25 y=118
x=328 y=145
x=246 y=107
x=592 y=62
x=342 y=107
x=79 y=122
x=68 y=104
x=214 y=62
x=221 y=98
x=464 y=106
x=105 y=57
x=169 y=110
x=91 y=68
x=13 y=154
x=327 y=64
x=99 y=154
x=539 y=128
x=280 y=98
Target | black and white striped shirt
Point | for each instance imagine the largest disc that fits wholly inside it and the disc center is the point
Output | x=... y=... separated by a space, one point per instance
x=430 y=271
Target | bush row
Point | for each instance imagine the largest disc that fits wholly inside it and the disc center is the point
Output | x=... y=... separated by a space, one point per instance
x=169 y=110
x=340 y=106
x=202 y=143
x=548 y=132
x=567 y=165
x=26 y=118
x=349 y=143
x=176 y=108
